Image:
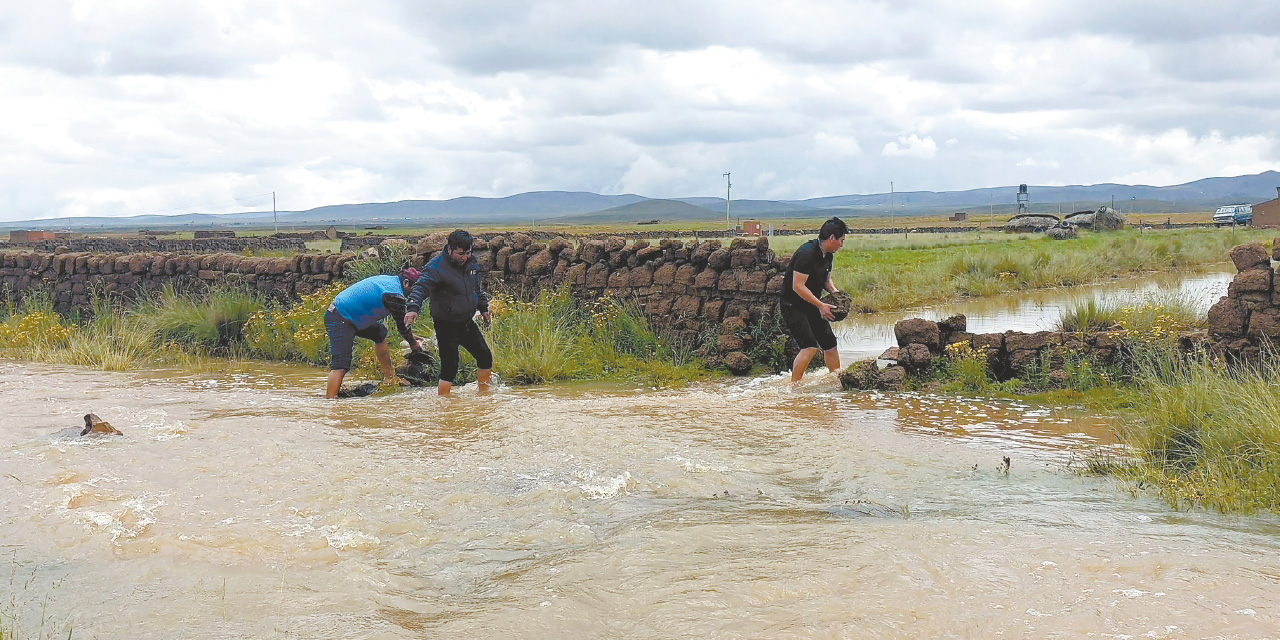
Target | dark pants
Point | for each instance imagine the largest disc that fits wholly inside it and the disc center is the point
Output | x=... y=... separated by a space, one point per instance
x=451 y=335
x=342 y=338
x=808 y=328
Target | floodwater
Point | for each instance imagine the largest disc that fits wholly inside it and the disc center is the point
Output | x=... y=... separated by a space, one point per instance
x=240 y=504
x=867 y=335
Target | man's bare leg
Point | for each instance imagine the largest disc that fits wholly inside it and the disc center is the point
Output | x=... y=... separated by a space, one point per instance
x=335 y=382
x=482 y=380
x=832 y=356
x=383 y=354
x=443 y=387
x=802 y=362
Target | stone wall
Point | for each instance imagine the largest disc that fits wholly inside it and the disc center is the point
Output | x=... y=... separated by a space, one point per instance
x=74 y=277
x=684 y=287
x=168 y=245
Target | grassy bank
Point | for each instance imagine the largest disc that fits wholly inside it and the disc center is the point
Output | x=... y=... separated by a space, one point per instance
x=887 y=273
x=552 y=338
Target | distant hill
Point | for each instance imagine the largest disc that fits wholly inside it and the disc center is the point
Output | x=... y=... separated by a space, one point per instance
x=586 y=207
x=1208 y=192
x=664 y=210
x=748 y=207
x=524 y=206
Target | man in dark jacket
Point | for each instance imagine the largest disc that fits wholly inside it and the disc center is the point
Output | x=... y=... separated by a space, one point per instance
x=808 y=319
x=358 y=311
x=451 y=280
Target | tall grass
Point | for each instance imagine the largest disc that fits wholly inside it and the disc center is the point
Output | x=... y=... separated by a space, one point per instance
x=1162 y=315
x=215 y=319
x=391 y=260
x=557 y=337
x=1207 y=435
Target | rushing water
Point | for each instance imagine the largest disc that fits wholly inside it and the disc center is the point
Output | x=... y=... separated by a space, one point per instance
x=242 y=505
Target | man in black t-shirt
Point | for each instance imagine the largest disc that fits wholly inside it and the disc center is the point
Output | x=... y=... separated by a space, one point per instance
x=808 y=318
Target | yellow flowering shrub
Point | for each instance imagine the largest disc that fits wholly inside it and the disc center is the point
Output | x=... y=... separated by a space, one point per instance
x=293 y=333
x=35 y=328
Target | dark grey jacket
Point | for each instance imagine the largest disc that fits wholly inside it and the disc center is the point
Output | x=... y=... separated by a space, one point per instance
x=454 y=291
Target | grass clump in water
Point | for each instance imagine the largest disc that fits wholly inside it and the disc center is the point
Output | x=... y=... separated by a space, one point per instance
x=1206 y=434
x=558 y=337
x=214 y=320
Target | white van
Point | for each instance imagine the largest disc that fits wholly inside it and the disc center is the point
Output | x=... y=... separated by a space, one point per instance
x=1236 y=214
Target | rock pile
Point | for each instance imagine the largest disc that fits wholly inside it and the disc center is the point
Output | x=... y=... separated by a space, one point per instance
x=921 y=343
x=1245 y=323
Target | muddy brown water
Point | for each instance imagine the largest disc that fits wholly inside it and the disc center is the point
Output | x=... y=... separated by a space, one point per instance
x=240 y=504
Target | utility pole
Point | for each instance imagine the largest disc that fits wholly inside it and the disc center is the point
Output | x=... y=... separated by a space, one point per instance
x=273 y=212
x=728 y=189
x=891 y=211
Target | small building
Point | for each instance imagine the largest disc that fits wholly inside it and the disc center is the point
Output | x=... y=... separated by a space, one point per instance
x=750 y=227
x=1267 y=214
x=958 y=216
x=331 y=233
x=23 y=236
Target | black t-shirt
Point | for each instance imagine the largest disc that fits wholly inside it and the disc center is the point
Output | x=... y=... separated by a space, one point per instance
x=809 y=260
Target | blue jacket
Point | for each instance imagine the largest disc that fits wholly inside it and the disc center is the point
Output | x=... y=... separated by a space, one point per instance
x=372 y=299
x=454 y=291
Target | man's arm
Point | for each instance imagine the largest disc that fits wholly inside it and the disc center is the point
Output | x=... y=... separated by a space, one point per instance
x=418 y=293
x=396 y=305
x=797 y=284
x=831 y=286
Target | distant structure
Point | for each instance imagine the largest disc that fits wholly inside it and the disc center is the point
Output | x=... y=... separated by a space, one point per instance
x=958 y=216
x=751 y=228
x=23 y=236
x=332 y=233
x=653 y=221
x=1024 y=200
x=1031 y=222
x=1267 y=214
x=214 y=234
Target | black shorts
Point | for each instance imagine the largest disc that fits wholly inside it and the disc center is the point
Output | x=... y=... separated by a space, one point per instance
x=808 y=328
x=450 y=336
x=342 y=337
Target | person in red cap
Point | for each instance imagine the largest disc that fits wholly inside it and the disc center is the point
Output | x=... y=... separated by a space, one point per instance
x=358 y=311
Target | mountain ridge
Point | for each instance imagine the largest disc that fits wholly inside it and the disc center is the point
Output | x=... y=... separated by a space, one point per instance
x=586 y=207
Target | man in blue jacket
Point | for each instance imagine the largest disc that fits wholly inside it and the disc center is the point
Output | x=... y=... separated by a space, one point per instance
x=451 y=280
x=358 y=311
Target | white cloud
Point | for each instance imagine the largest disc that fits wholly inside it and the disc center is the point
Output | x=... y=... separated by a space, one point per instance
x=144 y=105
x=911 y=146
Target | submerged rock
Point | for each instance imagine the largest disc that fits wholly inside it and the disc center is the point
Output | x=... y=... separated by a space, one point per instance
x=419 y=369
x=358 y=391
x=93 y=427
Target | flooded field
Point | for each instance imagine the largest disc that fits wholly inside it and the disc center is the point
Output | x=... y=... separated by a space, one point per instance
x=867 y=335
x=243 y=505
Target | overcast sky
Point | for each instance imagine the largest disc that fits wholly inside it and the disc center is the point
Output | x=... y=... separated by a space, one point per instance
x=122 y=107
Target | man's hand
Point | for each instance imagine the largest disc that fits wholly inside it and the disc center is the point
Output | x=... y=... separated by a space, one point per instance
x=486 y=317
x=415 y=346
x=395 y=382
x=410 y=317
x=824 y=310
